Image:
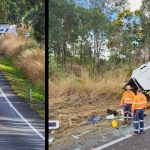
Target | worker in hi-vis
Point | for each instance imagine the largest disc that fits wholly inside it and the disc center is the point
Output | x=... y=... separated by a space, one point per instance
x=126 y=101
x=138 y=106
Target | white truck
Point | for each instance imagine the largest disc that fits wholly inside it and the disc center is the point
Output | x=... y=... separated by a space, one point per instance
x=7 y=28
x=140 y=78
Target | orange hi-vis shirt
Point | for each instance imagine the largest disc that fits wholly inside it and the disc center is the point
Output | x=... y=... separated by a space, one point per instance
x=139 y=102
x=127 y=97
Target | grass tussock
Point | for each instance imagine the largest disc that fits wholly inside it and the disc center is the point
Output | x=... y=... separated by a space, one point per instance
x=32 y=64
x=10 y=45
x=27 y=54
x=111 y=82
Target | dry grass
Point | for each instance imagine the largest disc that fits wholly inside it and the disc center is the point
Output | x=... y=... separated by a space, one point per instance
x=10 y=45
x=73 y=99
x=28 y=57
x=110 y=82
x=32 y=63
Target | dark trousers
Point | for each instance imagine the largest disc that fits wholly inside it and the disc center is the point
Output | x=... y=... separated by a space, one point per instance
x=138 y=119
x=127 y=112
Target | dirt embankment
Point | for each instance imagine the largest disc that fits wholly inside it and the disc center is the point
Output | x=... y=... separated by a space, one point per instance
x=73 y=113
x=74 y=99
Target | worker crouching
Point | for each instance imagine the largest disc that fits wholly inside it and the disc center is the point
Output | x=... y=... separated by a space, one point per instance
x=138 y=107
x=126 y=101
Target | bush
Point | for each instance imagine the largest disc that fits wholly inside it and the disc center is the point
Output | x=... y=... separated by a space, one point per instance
x=31 y=62
x=54 y=70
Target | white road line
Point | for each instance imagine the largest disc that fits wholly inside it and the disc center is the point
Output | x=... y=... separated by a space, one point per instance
x=117 y=140
x=19 y=114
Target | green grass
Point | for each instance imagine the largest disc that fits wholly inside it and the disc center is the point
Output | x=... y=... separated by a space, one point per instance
x=22 y=86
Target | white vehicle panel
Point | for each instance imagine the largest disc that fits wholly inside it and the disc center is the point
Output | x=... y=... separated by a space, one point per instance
x=142 y=75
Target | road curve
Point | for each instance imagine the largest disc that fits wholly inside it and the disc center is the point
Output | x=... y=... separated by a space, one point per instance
x=20 y=127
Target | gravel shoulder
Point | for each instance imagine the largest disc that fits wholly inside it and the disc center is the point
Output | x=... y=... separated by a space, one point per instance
x=99 y=134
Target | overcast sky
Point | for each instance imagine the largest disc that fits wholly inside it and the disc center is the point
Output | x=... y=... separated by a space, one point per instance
x=135 y=4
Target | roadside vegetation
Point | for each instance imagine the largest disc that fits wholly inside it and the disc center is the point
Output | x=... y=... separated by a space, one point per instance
x=22 y=58
x=92 y=54
x=22 y=63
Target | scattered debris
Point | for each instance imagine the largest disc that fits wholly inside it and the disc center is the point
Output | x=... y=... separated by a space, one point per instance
x=78 y=136
x=53 y=131
x=120 y=111
x=110 y=116
x=114 y=124
x=121 y=118
x=50 y=140
x=94 y=119
x=110 y=112
x=53 y=124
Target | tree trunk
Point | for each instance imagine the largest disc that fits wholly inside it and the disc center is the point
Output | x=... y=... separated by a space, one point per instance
x=64 y=53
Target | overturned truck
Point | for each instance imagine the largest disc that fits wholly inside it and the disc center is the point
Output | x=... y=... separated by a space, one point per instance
x=141 y=79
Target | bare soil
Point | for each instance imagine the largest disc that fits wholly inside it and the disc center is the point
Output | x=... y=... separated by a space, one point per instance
x=73 y=112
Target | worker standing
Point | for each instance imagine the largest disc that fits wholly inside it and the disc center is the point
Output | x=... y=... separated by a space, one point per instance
x=138 y=107
x=126 y=101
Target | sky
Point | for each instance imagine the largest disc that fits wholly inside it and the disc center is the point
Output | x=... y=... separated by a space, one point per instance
x=135 y=4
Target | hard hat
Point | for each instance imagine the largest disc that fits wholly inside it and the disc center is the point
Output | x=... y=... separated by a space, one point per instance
x=114 y=124
x=128 y=87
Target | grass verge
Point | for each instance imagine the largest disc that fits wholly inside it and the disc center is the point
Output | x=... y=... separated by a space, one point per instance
x=22 y=86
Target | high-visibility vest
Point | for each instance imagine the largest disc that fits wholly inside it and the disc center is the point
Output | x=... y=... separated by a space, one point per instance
x=139 y=102
x=127 y=98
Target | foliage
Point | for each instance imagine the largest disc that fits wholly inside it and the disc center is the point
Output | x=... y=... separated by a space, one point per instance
x=29 y=13
x=82 y=36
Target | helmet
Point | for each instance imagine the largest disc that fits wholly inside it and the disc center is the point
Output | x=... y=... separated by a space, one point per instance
x=114 y=124
x=128 y=87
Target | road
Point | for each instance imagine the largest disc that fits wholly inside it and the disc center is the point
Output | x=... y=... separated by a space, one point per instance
x=129 y=142
x=140 y=142
x=20 y=127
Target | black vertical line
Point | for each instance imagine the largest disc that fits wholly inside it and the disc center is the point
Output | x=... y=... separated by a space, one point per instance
x=46 y=73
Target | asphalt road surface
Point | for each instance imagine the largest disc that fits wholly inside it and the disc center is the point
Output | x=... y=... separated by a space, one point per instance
x=140 y=142
x=20 y=127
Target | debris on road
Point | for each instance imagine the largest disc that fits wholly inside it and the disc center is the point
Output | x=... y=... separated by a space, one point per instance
x=53 y=124
x=50 y=140
x=110 y=117
x=78 y=136
x=110 y=112
x=53 y=131
x=114 y=124
x=94 y=119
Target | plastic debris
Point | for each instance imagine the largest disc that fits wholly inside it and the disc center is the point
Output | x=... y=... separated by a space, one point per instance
x=50 y=140
x=53 y=124
x=110 y=116
x=53 y=131
x=94 y=119
x=78 y=136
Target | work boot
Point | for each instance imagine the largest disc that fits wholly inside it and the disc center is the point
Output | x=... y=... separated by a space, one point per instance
x=141 y=132
x=133 y=133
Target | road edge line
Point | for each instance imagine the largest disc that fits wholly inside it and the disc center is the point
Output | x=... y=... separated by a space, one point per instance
x=19 y=114
x=117 y=140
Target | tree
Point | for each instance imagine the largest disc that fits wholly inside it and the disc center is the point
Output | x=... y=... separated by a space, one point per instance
x=145 y=17
x=38 y=23
x=63 y=26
